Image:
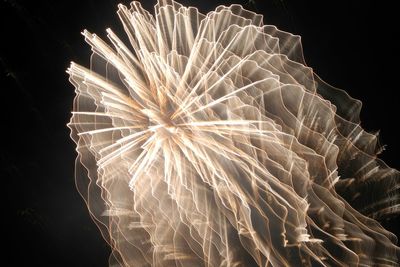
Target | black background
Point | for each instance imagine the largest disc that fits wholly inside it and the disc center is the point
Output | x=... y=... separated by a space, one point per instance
x=350 y=44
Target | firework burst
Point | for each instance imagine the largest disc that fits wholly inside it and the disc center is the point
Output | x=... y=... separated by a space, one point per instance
x=207 y=141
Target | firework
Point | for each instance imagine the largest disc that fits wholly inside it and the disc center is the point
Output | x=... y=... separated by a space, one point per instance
x=206 y=141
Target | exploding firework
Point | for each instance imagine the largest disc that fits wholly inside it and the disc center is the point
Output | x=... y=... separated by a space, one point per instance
x=207 y=141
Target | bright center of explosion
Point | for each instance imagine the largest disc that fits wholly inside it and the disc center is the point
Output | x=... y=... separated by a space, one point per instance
x=159 y=122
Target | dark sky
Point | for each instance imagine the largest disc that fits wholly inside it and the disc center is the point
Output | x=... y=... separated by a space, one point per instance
x=350 y=44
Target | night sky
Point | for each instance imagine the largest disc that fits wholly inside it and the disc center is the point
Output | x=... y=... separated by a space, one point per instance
x=350 y=44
